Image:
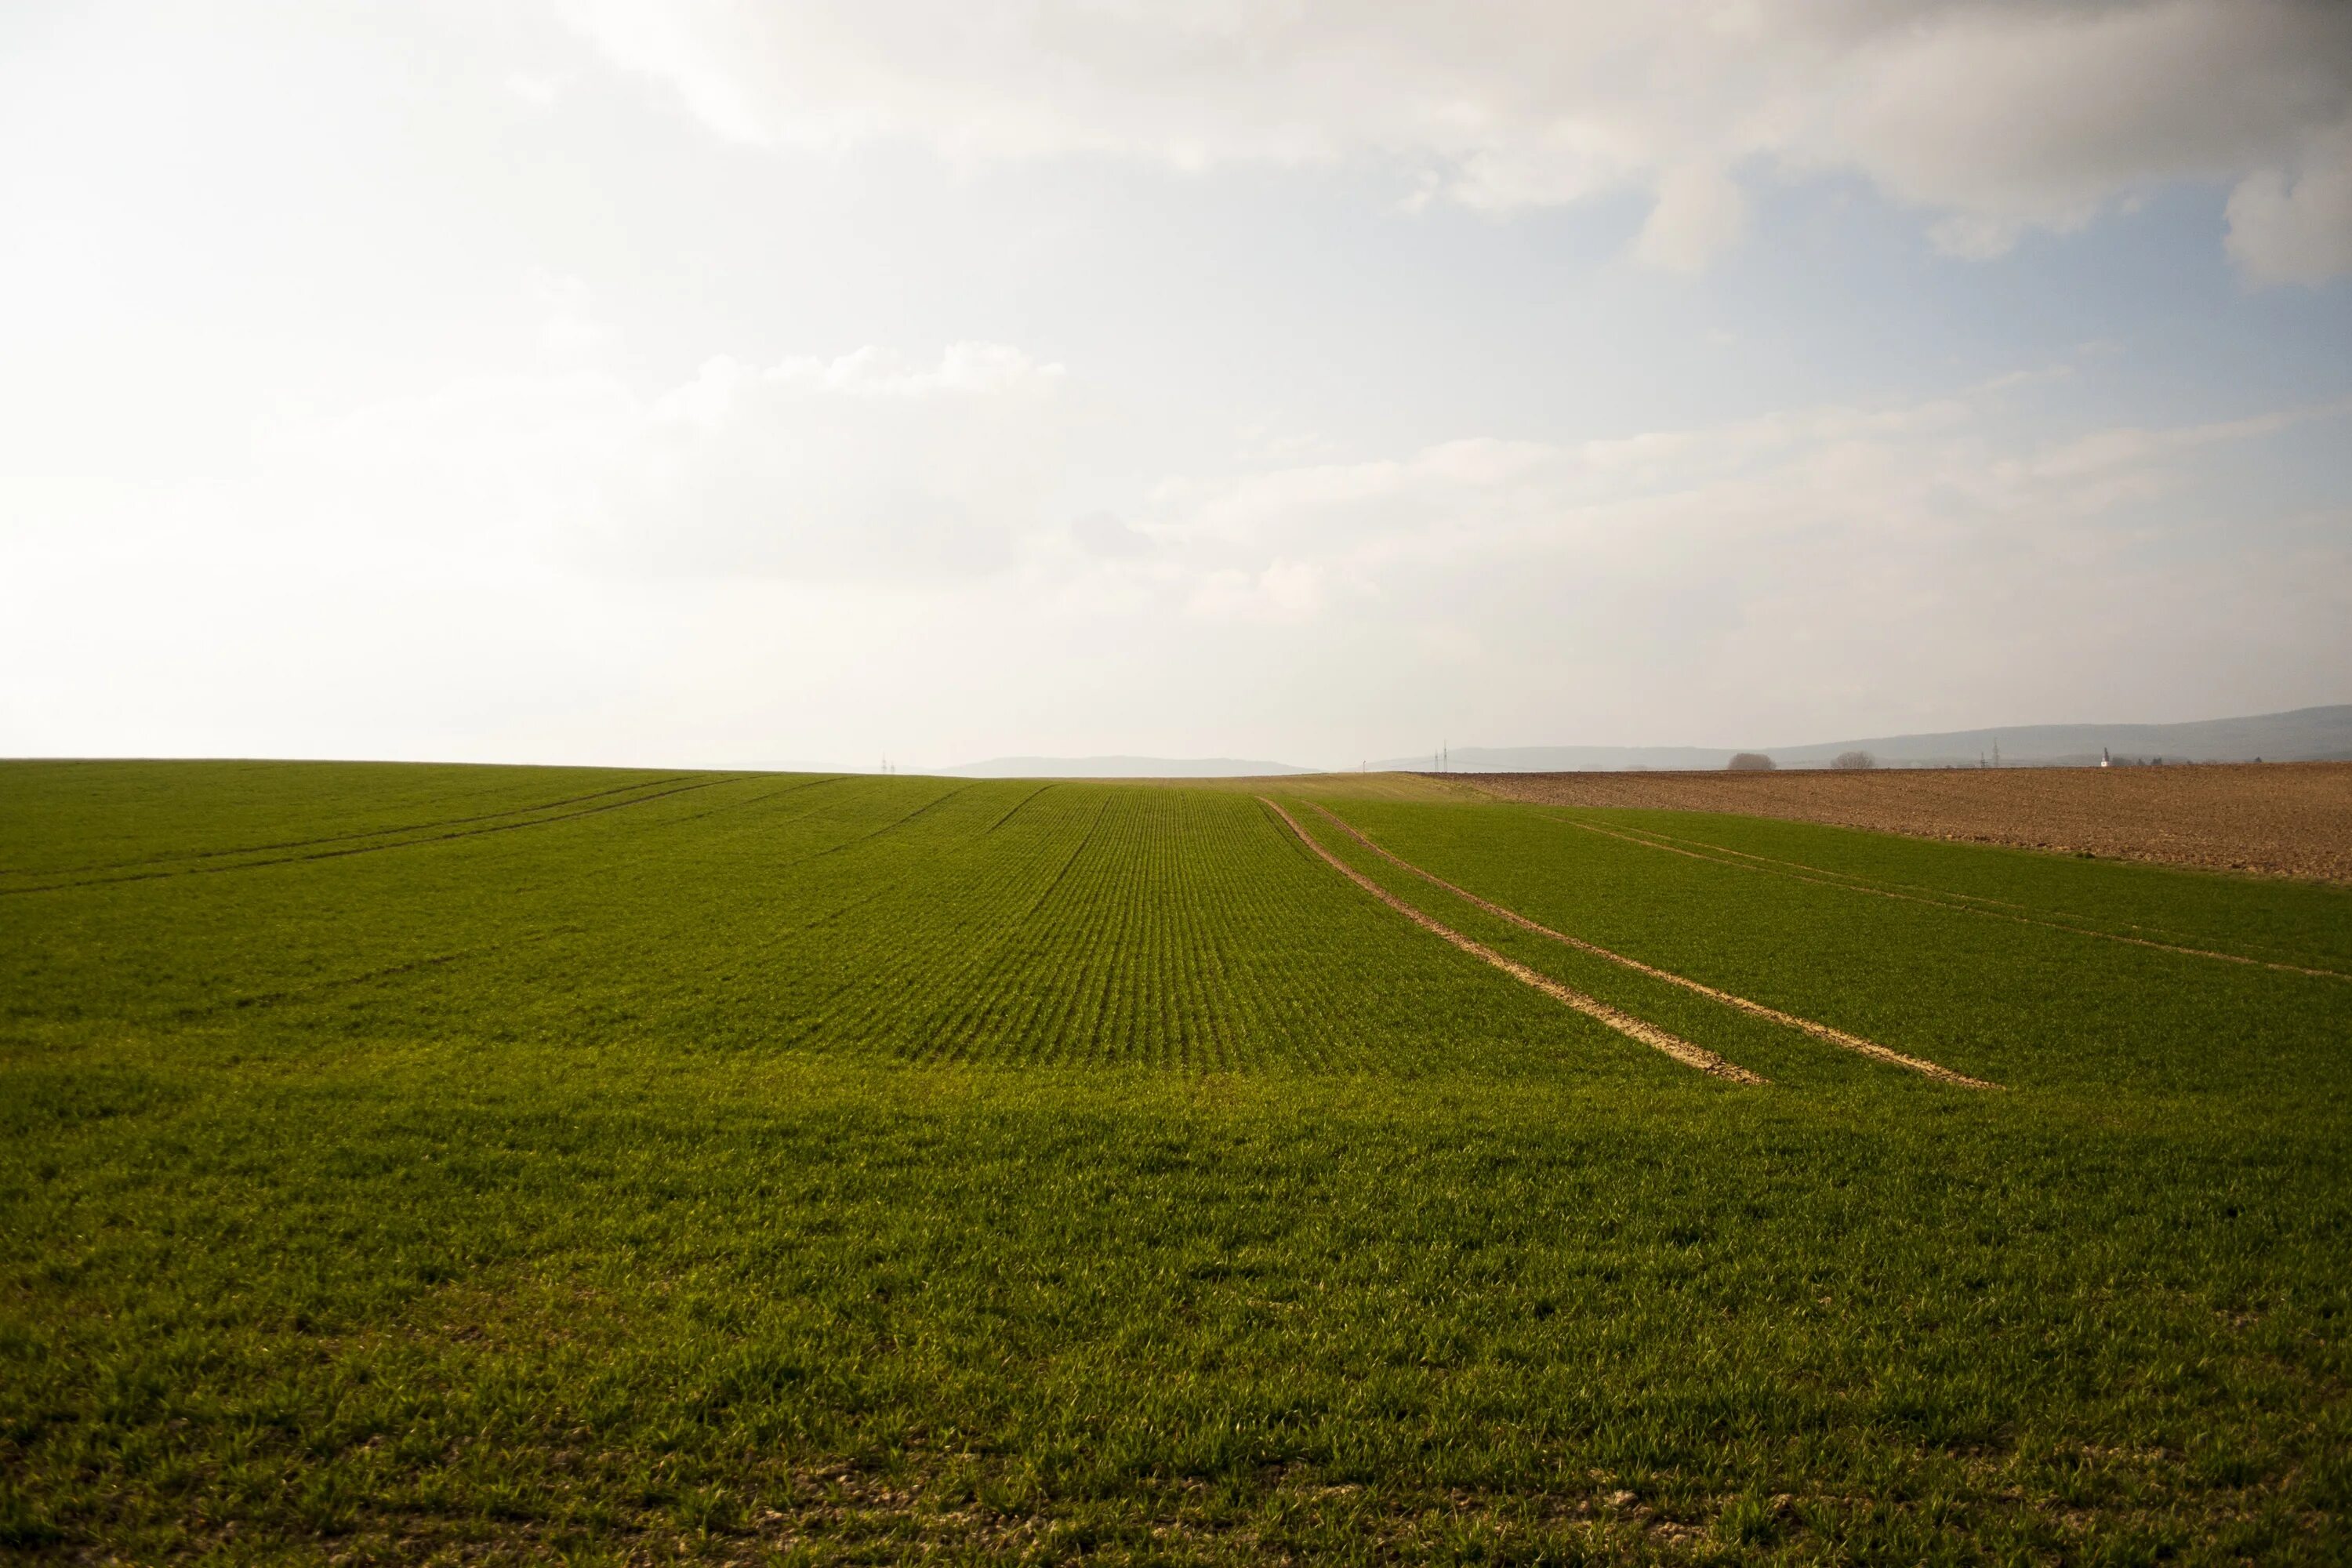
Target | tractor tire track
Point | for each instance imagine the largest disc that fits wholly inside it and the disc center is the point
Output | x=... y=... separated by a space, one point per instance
x=145 y=861
x=1592 y=1008
x=1830 y=880
x=1834 y=1036
x=1015 y=809
x=318 y=988
x=760 y=799
x=887 y=827
x=364 y=848
x=1094 y=823
x=2085 y=924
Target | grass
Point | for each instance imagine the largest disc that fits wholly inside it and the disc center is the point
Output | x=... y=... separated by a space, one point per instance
x=505 y=1164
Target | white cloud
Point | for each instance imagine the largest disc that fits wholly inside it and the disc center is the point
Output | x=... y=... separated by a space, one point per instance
x=1993 y=118
x=1285 y=592
x=1102 y=534
x=539 y=91
x=2293 y=225
x=1773 y=550
x=2007 y=116
x=872 y=469
x=872 y=551
x=569 y=328
x=1698 y=217
x=860 y=467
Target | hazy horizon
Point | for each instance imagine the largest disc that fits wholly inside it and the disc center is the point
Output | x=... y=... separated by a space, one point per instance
x=597 y=381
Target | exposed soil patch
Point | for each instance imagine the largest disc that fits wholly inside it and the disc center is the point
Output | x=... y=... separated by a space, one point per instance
x=2283 y=819
x=1835 y=1037
x=1592 y=1008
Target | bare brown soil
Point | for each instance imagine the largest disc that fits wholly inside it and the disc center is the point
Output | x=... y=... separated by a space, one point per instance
x=1819 y=1031
x=2282 y=819
x=1592 y=1008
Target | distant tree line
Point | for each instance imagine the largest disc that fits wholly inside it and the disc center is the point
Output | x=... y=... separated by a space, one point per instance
x=1758 y=763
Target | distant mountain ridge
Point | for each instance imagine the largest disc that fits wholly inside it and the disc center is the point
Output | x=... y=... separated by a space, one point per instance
x=2304 y=734
x=1119 y=768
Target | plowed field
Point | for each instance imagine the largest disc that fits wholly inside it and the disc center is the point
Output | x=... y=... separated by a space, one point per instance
x=2289 y=819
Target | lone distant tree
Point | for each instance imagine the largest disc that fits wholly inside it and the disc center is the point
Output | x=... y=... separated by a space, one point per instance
x=1854 y=762
x=1751 y=763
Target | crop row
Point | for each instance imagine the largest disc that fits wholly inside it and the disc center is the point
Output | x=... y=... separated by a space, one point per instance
x=2027 y=1003
x=1012 y=922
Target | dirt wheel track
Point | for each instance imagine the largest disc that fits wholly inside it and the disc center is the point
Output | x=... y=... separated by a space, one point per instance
x=1741 y=860
x=1834 y=1036
x=2282 y=819
x=1592 y=1008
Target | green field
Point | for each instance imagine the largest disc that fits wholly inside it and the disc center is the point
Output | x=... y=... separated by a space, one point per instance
x=492 y=1164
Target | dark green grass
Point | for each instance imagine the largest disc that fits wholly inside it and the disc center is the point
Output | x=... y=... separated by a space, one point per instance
x=519 y=1163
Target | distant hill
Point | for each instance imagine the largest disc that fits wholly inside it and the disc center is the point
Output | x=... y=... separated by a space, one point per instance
x=1562 y=759
x=1119 y=768
x=2306 y=734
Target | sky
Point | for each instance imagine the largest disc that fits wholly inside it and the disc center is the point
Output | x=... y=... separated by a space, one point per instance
x=702 y=384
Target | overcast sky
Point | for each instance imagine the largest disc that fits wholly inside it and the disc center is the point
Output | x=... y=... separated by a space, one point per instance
x=642 y=380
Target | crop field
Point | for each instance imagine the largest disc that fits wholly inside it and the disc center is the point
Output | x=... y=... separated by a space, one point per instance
x=2290 y=820
x=408 y=1163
